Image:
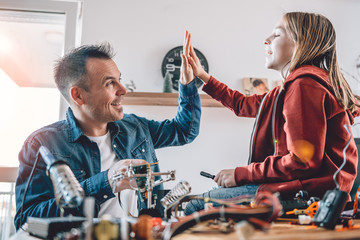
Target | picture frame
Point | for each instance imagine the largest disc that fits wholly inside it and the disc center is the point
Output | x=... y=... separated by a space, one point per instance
x=253 y=85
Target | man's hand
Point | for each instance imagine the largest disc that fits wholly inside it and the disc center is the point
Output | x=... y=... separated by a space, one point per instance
x=119 y=167
x=226 y=178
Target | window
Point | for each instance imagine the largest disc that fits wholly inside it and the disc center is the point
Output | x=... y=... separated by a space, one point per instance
x=33 y=34
x=30 y=43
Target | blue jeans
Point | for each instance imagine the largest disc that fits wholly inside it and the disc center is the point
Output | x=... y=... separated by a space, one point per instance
x=220 y=193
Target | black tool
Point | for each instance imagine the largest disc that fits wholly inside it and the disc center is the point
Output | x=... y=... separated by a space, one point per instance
x=208 y=175
x=330 y=208
x=334 y=201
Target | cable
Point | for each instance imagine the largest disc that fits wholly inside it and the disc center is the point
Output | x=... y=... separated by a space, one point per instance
x=229 y=202
x=344 y=154
x=267 y=207
x=203 y=215
x=27 y=187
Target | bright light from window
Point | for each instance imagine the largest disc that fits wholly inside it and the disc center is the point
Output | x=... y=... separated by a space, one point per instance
x=5 y=44
x=24 y=110
x=30 y=42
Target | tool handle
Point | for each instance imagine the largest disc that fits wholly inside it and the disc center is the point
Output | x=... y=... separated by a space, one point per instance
x=208 y=175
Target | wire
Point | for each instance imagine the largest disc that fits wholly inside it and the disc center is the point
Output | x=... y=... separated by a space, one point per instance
x=203 y=215
x=126 y=211
x=229 y=201
x=267 y=206
x=344 y=154
x=27 y=187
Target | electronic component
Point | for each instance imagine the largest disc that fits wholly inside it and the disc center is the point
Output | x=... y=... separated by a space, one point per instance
x=108 y=228
x=334 y=201
x=145 y=181
x=310 y=211
x=304 y=219
x=142 y=180
x=330 y=208
x=244 y=230
x=299 y=202
x=48 y=227
x=265 y=209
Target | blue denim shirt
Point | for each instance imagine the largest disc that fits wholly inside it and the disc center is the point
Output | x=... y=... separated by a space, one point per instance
x=132 y=137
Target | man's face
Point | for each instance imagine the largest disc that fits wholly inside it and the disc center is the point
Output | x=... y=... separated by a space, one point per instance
x=102 y=103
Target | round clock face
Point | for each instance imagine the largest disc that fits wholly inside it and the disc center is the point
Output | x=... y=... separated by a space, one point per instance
x=172 y=64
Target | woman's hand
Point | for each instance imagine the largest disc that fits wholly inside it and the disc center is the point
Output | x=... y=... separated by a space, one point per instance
x=226 y=178
x=186 y=71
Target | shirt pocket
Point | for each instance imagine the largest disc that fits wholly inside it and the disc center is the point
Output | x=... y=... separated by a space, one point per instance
x=73 y=163
x=143 y=150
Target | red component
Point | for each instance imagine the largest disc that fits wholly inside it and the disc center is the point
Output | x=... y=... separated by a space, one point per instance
x=156 y=221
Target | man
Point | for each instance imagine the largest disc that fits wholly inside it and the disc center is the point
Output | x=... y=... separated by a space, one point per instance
x=97 y=139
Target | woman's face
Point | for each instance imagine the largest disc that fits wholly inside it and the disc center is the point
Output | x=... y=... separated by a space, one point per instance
x=279 y=48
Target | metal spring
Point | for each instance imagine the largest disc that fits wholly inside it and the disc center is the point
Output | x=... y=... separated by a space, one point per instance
x=180 y=190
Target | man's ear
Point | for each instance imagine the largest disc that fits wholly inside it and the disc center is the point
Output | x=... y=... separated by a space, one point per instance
x=77 y=95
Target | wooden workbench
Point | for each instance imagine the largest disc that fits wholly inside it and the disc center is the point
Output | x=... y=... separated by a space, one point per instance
x=280 y=231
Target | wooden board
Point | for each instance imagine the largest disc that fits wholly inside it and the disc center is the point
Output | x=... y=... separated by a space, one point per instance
x=163 y=99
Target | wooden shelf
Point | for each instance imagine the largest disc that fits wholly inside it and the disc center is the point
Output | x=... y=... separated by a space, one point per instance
x=163 y=99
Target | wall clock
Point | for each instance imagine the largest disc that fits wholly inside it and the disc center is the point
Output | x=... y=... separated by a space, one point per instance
x=172 y=63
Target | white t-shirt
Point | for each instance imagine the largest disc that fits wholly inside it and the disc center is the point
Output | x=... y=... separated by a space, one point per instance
x=128 y=197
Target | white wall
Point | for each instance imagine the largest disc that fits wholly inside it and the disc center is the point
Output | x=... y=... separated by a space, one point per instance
x=230 y=33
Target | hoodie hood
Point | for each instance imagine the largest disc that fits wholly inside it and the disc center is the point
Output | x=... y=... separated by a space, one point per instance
x=321 y=76
x=307 y=70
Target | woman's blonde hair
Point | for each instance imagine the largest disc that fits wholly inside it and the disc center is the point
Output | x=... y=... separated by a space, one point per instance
x=315 y=40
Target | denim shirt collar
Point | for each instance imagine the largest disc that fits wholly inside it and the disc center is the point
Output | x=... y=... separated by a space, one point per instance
x=75 y=131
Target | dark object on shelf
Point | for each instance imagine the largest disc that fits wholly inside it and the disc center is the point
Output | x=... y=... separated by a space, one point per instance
x=172 y=63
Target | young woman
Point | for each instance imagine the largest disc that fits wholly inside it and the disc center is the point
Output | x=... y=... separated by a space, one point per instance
x=298 y=138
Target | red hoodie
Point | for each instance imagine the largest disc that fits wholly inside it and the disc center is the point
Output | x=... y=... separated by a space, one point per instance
x=306 y=123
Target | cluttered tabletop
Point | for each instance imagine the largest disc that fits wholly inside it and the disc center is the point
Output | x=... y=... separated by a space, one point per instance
x=284 y=229
x=300 y=219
